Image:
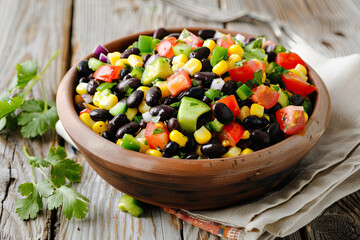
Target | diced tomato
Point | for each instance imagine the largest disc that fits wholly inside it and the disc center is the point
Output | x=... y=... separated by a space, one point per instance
x=265 y=96
x=164 y=48
x=190 y=39
x=86 y=110
x=232 y=132
x=231 y=103
x=107 y=73
x=297 y=85
x=225 y=41
x=156 y=135
x=289 y=60
x=291 y=119
x=178 y=81
x=246 y=71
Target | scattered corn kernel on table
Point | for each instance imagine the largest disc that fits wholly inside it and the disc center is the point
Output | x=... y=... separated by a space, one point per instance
x=35 y=29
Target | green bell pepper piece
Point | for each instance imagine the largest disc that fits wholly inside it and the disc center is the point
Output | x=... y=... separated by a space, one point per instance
x=182 y=49
x=130 y=205
x=94 y=63
x=218 y=54
x=131 y=143
x=145 y=43
x=119 y=108
x=244 y=92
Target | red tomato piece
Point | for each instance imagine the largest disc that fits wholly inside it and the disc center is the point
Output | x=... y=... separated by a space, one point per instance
x=190 y=39
x=265 y=96
x=246 y=71
x=231 y=103
x=107 y=73
x=291 y=119
x=232 y=132
x=297 y=85
x=156 y=135
x=178 y=81
x=225 y=41
x=289 y=60
x=164 y=47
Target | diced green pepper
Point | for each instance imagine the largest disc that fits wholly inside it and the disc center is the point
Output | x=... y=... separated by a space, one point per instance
x=212 y=93
x=244 y=92
x=105 y=85
x=130 y=205
x=182 y=49
x=216 y=126
x=279 y=48
x=159 y=68
x=218 y=54
x=189 y=111
x=119 y=108
x=94 y=63
x=137 y=72
x=283 y=98
x=131 y=143
x=105 y=93
x=145 y=43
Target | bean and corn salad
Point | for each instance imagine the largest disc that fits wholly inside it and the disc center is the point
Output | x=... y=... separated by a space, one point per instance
x=182 y=95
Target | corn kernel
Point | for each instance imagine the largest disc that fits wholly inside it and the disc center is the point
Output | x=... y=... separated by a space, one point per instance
x=299 y=73
x=246 y=135
x=177 y=66
x=301 y=68
x=143 y=107
x=122 y=62
x=113 y=57
x=236 y=49
x=108 y=102
x=90 y=106
x=96 y=98
x=233 y=152
x=225 y=143
x=78 y=99
x=163 y=87
x=99 y=127
x=144 y=89
x=158 y=125
x=198 y=151
x=119 y=141
x=178 y=137
x=306 y=117
x=234 y=58
x=209 y=44
x=81 y=88
x=85 y=118
x=131 y=113
x=143 y=144
x=244 y=113
x=220 y=68
x=267 y=116
x=180 y=59
x=246 y=151
x=153 y=152
x=135 y=61
x=257 y=110
x=192 y=66
x=202 y=135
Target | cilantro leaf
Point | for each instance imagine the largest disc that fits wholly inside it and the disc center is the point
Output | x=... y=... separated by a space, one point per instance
x=26 y=71
x=157 y=131
x=7 y=107
x=257 y=43
x=28 y=207
x=74 y=204
x=256 y=53
x=44 y=188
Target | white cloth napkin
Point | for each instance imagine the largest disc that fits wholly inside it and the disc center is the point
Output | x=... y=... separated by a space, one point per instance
x=331 y=169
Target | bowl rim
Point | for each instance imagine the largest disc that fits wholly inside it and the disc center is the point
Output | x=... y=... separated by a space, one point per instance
x=141 y=162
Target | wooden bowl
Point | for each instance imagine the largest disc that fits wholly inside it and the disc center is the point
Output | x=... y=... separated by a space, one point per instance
x=190 y=184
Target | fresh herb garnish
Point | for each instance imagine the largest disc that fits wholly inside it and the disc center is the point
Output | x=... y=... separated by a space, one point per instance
x=128 y=90
x=157 y=131
x=175 y=104
x=53 y=188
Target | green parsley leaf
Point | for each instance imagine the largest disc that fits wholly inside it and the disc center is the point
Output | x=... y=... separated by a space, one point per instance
x=175 y=104
x=26 y=71
x=157 y=131
x=279 y=48
x=257 y=80
x=74 y=204
x=256 y=53
x=28 y=207
x=257 y=43
x=128 y=91
x=44 y=188
x=7 y=107
x=275 y=75
x=195 y=83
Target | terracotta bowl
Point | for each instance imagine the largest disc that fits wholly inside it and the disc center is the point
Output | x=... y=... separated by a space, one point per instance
x=190 y=184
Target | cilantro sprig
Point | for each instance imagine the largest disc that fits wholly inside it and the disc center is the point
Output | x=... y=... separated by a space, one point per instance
x=33 y=116
x=53 y=188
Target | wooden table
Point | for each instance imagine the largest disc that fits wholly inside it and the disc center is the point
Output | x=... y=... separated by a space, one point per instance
x=35 y=29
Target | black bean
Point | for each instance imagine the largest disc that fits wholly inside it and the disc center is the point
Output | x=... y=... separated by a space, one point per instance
x=194 y=92
x=246 y=102
x=171 y=60
x=215 y=140
x=175 y=35
x=165 y=112
x=91 y=86
x=244 y=143
x=276 y=107
x=203 y=119
x=128 y=76
x=142 y=124
x=129 y=128
x=222 y=113
x=123 y=73
x=192 y=156
x=117 y=122
x=79 y=107
x=173 y=124
x=229 y=87
x=260 y=137
x=211 y=150
x=271 y=57
x=133 y=83
x=84 y=79
x=206 y=33
x=169 y=100
x=206 y=100
x=270 y=48
x=171 y=149
x=254 y=122
x=297 y=100
x=135 y=99
x=200 y=53
x=100 y=115
x=153 y=96
x=190 y=145
x=109 y=136
x=275 y=133
x=160 y=33
x=206 y=65
x=128 y=52
x=205 y=77
x=146 y=57
x=150 y=60
x=84 y=69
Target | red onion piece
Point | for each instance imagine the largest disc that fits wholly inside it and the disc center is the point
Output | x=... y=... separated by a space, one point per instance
x=151 y=59
x=103 y=58
x=100 y=49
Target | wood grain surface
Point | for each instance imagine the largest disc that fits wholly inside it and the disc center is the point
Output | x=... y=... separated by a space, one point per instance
x=35 y=29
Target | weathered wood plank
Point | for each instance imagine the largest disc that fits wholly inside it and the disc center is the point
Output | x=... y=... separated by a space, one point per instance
x=30 y=30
